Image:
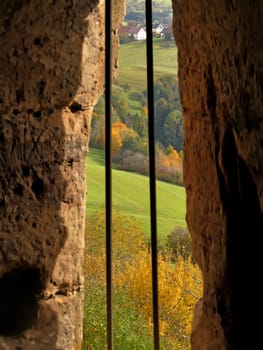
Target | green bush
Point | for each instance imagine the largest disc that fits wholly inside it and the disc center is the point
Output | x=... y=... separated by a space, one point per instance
x=178 y=243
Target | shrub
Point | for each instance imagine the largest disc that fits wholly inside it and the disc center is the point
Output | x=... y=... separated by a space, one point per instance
x=178 y=243
x=180 y=286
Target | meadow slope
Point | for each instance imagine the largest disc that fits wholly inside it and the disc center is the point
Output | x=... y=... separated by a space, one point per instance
x=132 y=63
x=130 y=194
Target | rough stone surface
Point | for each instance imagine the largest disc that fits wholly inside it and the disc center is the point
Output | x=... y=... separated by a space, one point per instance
x=51 y=57
x=220 y=46
x=51 y=76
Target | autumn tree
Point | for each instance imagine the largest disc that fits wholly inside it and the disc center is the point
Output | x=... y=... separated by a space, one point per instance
x=144 y=111
x=179 y=285
x=172 y=159
x=116 y=139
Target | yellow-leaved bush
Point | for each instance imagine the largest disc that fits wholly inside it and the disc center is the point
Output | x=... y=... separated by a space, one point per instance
x=179 y=287
x=179 y=283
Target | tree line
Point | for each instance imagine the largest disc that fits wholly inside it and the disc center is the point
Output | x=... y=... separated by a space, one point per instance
x=130 y=129
x=162 y=11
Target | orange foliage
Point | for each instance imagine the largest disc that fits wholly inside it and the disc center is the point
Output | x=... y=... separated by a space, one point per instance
x=144 y=111
x=119 y=126
x=115 y=141
x=172 y=160
x=116 y=130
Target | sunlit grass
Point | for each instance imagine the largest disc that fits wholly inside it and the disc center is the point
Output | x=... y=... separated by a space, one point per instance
x=130 y=194
x=132 y=63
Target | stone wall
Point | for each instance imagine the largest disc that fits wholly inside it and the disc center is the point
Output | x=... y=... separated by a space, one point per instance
x=51 y=76
x=52 y=73
x=220 y=46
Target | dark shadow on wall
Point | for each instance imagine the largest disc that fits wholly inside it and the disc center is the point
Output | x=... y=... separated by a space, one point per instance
x=18 y=300
x=245 y=226
x=40 y=57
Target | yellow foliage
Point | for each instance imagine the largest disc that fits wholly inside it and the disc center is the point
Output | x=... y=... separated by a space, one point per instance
x=127 y=238
x=116 y=143
x=179 y=283
x=118 y=132
x=144 y=111
x=119 y=126
x=94 y=268
x=128 y=132
x=179 y=288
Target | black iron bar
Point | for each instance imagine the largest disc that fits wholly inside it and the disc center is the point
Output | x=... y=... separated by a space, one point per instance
x=108 y=168
x=152 y=169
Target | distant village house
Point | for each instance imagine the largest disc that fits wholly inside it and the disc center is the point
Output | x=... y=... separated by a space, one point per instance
x=157 y=28
x=133 y=33
x=136 y=32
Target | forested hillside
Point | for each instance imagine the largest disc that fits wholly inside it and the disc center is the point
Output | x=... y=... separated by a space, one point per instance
x=162 y=10
x=130 y=113
x=179 y=278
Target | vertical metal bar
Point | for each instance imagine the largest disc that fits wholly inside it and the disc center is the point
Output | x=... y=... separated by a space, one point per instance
x=108 y=170
x=152 y=175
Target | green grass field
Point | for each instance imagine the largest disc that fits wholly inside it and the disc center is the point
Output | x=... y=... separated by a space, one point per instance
x=132 y=63
x=130 y=194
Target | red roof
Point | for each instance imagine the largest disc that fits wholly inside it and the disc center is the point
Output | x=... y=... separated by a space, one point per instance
x=124 y=30
x=135 y=30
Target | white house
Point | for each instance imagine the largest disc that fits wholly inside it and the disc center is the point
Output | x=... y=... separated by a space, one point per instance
x=138 y=33
x=157 y=28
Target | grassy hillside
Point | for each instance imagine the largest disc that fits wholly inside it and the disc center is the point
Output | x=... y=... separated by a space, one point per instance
x=132 y=63
x=131 y=196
